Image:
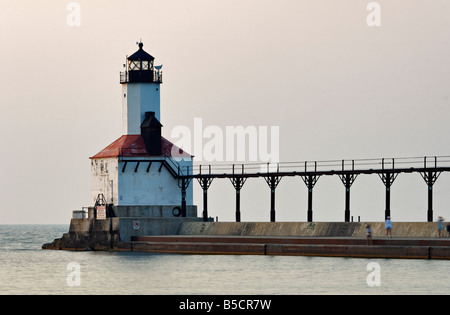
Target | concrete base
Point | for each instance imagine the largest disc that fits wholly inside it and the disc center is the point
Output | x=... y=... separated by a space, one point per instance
x=168 y=211
x=106 y=234
x=193 y=236
x=136 y=226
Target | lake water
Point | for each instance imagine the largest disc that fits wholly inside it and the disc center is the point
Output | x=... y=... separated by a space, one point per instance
x=27 y=269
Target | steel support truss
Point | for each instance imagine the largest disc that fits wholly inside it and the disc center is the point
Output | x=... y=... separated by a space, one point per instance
x=183 y=183
x=238 y=182
x=310 y=181
x=205 y=182
x=430 y=178
x=272 y=181
x=388 y=177
x=347 y=179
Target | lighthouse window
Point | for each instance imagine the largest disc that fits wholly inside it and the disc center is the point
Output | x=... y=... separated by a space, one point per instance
x=144 y=65
x=135 y=65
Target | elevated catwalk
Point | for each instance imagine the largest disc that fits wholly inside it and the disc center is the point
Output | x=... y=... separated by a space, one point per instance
x=429 y=168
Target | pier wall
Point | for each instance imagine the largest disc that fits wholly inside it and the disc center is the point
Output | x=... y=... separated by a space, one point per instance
x=193 y=236
x=309 y=229
x=411 y=240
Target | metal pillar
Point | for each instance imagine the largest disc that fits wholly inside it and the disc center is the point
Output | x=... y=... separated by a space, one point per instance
x=310 y=181
x=430 y=178
x=430 y=183
x=347 y=180
x=238 y=182
x=183 y=183
x=183 y=197
x=388 y=179
x=273 y=182
x=205 y=182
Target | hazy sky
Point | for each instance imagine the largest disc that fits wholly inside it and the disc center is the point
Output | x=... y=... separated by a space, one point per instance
x=336 y=87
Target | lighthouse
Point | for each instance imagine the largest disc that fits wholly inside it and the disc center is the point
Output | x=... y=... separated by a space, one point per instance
x=137 y=176
x=141 y=90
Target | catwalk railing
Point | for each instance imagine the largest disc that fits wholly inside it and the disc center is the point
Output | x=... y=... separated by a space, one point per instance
x=327 y=167
x=310 y=171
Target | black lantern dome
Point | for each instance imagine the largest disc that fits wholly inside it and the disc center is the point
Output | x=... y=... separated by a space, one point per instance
x=140 y=68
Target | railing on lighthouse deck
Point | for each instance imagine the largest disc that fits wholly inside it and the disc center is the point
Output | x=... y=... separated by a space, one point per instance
x=141 y=76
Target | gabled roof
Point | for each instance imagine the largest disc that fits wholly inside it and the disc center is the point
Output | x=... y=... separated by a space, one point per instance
x=134 y=146
x=141 y=54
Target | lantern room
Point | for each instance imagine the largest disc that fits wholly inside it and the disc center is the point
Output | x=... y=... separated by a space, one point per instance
x=141 y=69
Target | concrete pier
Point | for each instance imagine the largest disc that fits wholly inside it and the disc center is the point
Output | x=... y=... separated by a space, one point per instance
x=304 y=246
x=413 y=240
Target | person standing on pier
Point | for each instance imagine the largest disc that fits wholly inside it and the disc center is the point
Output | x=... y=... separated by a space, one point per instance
x=369 y=234
x=388 y=226
x=440 y=226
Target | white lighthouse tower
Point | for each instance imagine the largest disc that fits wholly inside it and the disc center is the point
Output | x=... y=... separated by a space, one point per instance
x=141 y=90
x=138 y=174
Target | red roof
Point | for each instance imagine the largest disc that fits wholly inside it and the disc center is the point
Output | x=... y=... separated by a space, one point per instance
x=134 y=145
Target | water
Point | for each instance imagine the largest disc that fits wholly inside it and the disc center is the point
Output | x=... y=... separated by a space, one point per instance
x=27 y=269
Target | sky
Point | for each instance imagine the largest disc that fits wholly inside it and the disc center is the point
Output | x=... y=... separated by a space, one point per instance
x=335 y=86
